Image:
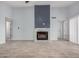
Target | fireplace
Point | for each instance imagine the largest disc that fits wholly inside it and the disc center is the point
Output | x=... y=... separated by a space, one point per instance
x=42 y=35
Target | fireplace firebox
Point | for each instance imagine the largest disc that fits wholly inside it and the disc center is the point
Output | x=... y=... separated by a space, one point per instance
x=42 y=35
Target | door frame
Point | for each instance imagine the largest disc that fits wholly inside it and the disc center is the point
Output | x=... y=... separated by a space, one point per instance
x=9 y=19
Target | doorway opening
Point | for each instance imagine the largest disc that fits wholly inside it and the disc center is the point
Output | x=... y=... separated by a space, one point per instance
x=8 y=28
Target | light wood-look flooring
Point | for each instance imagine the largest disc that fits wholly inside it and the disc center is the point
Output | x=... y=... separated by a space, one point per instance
x=39 y=49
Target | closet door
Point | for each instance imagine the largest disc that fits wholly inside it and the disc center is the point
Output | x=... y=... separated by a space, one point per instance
x=73 y=30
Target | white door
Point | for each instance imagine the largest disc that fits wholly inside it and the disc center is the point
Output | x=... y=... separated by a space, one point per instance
x=73 y=29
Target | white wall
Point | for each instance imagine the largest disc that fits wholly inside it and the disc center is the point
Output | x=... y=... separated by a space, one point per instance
x=4 y=12
x=73 y=10
x=56 y=25
x=55 y=30
x=24 y=19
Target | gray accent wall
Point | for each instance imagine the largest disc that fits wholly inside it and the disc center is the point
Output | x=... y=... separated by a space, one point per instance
x=42 y=16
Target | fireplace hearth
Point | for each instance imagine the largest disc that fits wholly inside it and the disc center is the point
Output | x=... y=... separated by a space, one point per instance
x=42 y=35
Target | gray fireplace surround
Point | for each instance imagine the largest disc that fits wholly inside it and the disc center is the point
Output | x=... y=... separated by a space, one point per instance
x=42 y=16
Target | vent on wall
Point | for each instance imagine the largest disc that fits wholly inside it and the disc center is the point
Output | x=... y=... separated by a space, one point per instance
x=53 y=17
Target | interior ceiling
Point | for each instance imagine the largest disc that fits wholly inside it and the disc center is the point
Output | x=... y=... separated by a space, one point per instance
x=32 y=3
